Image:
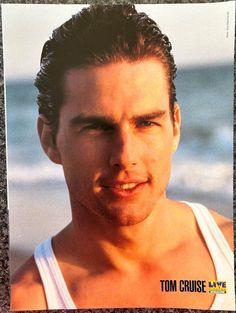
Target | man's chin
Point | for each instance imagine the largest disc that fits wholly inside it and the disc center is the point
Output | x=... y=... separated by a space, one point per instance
x=122 y=217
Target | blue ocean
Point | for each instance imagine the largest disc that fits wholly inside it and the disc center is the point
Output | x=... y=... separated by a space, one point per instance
x=202 y=167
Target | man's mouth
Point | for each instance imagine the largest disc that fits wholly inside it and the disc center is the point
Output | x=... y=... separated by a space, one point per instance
x=124 y=189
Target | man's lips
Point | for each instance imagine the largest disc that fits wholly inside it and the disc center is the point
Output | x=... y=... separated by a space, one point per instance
x=124 y=188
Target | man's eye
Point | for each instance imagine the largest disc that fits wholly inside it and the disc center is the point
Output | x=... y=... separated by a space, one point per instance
x=98 y=127
x=146 y=123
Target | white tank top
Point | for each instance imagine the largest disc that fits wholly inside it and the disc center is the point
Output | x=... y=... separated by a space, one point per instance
x=58 y=296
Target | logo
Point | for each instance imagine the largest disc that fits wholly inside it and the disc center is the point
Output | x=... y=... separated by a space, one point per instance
x=215 y=286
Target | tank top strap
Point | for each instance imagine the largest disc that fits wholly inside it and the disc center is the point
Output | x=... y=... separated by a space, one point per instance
x=56 y=292
x=215 y=240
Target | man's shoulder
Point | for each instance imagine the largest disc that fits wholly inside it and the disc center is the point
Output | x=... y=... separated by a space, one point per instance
x=27 y=291
x=226 y=226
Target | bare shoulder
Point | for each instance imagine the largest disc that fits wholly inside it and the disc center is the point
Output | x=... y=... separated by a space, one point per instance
x=27 y=291
x=226 y=226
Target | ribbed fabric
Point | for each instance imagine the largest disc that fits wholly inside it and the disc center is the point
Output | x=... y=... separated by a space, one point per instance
x=58 y=296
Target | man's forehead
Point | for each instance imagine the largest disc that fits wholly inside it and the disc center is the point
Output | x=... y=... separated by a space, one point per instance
x=117 y=91
x=139 y=70
x=123 y=80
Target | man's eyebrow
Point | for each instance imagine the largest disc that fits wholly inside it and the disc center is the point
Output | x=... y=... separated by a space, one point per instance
x=150 y=116
x=82 y=119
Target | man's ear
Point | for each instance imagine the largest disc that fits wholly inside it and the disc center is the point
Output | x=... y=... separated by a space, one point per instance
x=176 y=126
x=48 y=144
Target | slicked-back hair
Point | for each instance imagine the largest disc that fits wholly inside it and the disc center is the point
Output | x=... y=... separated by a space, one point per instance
x=96 y=36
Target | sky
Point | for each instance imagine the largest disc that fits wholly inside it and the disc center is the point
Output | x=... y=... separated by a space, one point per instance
x=200 y=34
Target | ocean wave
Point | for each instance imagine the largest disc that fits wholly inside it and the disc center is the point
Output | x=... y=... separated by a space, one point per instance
x=35 y=173
x=203 y=177
x=195 y=176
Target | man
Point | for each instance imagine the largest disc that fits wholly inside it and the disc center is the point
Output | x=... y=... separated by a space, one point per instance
x=108 y=114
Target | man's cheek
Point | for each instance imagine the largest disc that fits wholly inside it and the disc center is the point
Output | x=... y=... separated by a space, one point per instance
x=158 y=155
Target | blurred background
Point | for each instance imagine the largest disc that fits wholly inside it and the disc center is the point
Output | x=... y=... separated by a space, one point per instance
x=202 y=36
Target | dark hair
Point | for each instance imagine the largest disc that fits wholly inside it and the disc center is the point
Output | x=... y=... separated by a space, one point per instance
x=98 y=35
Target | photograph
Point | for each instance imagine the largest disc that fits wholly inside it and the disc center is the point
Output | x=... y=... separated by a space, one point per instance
x=119 y=133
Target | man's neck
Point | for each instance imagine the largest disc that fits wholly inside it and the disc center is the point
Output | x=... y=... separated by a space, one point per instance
x=96 y=242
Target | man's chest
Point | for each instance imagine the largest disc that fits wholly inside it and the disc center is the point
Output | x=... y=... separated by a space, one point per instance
x=178 y=281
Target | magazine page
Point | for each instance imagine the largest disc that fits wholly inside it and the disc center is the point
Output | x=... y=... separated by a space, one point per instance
x=119 y=123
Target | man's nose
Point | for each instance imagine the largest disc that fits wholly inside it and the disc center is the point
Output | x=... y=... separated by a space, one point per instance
x=124 y=152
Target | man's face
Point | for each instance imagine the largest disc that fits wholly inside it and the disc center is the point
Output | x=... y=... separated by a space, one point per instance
x=116 y=138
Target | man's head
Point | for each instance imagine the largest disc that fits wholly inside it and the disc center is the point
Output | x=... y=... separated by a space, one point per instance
x=109 y=113
x=99 y=35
